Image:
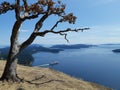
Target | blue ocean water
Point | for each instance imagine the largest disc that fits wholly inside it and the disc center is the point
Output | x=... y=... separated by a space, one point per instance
x=94 y=64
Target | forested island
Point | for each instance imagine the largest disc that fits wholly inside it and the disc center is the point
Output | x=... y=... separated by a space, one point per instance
x=26 y=58
x=116 y=50
x=74 y=46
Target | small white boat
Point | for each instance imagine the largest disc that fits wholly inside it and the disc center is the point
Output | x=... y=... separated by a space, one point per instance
x=50 y=64
x=54 y=63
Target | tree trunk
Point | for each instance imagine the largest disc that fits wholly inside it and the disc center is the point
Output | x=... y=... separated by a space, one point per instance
x=10 y=73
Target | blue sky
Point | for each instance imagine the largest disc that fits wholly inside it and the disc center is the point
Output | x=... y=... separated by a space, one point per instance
x=102 y=16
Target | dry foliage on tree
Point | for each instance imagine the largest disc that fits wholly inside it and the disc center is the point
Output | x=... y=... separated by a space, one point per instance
x=41 y=9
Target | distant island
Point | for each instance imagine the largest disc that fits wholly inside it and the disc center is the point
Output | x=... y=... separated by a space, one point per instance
x=74 y=46
x=26 y=58
x=110 y=44
x=116 y=50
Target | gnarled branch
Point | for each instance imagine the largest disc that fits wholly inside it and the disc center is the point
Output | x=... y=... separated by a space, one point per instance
x=55 y=25
x=17 y=9
x=25 y=4
x=33 y=36
x=30 y=17
x=61 y=32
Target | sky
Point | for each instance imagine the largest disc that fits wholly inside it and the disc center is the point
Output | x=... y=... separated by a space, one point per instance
x=101 y=16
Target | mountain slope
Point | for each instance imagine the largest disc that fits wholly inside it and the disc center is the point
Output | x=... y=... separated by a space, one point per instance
x=46 y=79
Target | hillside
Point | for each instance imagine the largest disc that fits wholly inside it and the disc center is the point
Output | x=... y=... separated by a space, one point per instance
x=46 y=79
x=25 y=57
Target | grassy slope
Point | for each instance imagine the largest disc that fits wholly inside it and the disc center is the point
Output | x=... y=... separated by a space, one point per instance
x=46 y=79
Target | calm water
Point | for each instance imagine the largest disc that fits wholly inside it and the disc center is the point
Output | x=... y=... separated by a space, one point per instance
x=95 y=64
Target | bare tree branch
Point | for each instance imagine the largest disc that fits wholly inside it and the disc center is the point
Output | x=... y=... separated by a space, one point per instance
x=61 y=32
x=17 y=9
x=38 y=25
x=30 y=17
x=65 y=36
x=55 y=25
x=33 y=36
x=25 y=4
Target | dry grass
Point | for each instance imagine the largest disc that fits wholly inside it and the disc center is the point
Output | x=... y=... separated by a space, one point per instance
x=46 y=79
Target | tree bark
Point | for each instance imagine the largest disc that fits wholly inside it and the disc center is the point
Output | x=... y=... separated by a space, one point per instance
x=10 y=73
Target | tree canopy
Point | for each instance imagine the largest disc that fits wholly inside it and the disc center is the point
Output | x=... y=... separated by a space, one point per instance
x=44 y=8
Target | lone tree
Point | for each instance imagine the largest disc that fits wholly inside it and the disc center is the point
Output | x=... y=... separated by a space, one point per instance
x=41 y=9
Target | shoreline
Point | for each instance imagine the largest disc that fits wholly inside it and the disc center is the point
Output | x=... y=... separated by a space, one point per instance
x=47 y=79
